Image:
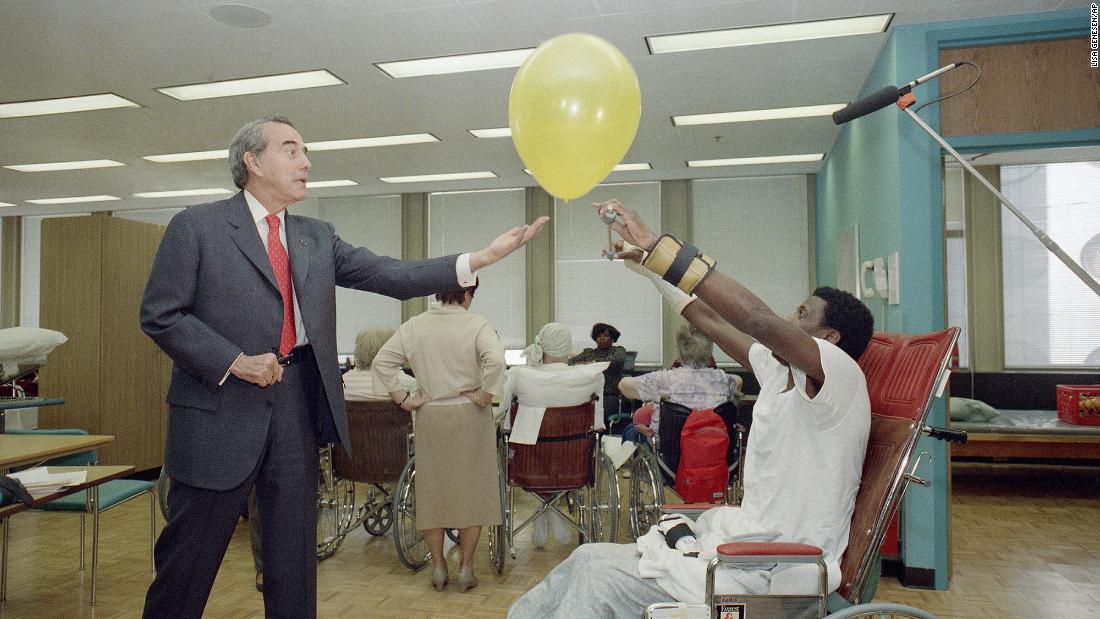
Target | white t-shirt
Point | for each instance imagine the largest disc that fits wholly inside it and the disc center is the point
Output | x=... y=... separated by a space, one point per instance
x=805 y=456
x=548 y=385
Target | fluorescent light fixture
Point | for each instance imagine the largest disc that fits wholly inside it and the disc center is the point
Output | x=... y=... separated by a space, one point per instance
x=385 y=140
x=205 y=155
x=631 y=167
x=710 y=163
x=428 y=178
x=460 y=63
x=755 y=115
x=322 y=184
x=63 y=106
x=761 y=35
x=252 y=85
x=65 y=165
x=6 y=204
x=183 y=193
x=73 y=200
x=500 y=132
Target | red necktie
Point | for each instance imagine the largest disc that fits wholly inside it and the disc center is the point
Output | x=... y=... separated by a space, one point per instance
x=280 y=263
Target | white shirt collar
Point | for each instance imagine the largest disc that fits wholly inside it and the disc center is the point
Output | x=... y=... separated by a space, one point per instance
x=259 y=212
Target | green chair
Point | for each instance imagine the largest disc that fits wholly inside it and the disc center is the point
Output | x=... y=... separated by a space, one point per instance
x=111 y=494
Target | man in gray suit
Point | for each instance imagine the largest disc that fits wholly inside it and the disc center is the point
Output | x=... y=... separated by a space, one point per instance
x=242 y=298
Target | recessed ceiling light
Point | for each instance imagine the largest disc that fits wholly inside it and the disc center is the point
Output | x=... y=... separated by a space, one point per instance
x=73 y=200
x=252 y=85
x=197 y=156
x=63 y=106
x=761 y=35
x=181 y=193
x=65 y=165
x=427 y=178
x=385 y=140
x=631 y=167
x=460 y=63
x=322 y=184
x=500 y=132
x=755 y=115
x=710 y=163
x=6 y=204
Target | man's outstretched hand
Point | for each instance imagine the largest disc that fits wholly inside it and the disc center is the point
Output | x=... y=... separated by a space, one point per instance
x=506 y=243
x=629 y=225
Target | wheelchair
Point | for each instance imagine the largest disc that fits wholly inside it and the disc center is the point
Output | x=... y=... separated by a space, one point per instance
x=566 y=470
x=653 y=466
x=905 y=374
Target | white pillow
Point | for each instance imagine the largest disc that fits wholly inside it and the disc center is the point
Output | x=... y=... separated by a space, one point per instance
x=22 y=344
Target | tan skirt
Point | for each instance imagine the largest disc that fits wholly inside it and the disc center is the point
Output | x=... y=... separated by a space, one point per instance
x=456 y=467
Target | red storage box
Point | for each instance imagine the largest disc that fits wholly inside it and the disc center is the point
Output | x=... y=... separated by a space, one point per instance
x=1079 y=404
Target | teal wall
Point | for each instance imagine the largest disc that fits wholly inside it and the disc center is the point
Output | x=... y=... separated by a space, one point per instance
x=884 y=175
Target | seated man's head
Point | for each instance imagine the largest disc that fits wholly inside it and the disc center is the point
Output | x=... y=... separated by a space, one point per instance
x=552 y=345
x=367 y=345
x=459 y=296
x=604 y=335
x=838 y=317
x=694 y=348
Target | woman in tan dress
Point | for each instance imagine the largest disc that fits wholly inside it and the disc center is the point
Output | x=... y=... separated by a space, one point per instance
x=458 y=361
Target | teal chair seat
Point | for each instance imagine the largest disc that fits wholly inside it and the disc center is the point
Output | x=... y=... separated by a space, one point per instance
x=110 y=494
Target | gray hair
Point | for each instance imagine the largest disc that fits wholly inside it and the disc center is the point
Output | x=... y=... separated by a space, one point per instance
x=695 y=349
x=367 y=345
x=250 y=139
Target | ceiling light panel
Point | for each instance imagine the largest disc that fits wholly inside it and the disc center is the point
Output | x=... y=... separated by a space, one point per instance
x=252 y=85
x=385 y=140
x=64 y=106
x=428 y=178
x=65 y=165
x=461 y=63
x=323 y=184
x=631 y=167
x=205 y=155
x=762 y=35
x=756 y=115
x=710 y=163
x=183 y=193
x=6 y=204
x=499 y=132
x=74 y=200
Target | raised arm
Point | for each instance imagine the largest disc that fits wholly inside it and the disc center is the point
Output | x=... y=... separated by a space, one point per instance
x=732 y=302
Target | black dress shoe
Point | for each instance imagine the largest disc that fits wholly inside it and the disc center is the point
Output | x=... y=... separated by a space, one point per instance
x=260 y=582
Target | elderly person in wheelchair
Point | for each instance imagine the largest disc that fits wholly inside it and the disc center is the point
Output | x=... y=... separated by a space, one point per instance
x=547 y=381
x=804 y=459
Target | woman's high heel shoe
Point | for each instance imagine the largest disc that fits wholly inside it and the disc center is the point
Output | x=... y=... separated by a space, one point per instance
x=466 y=579
x=439 y=577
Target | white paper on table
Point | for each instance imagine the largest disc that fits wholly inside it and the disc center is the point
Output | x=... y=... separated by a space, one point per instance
x=39 y=477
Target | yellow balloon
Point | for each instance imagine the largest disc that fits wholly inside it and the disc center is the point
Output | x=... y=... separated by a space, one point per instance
x=574 y=110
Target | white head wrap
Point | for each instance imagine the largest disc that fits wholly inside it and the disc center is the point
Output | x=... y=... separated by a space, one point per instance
x=553 y=339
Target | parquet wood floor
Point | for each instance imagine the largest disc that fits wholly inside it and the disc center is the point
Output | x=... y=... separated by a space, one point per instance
x=1026 y=543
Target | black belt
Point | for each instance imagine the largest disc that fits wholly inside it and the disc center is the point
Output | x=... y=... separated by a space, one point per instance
x=296 y=355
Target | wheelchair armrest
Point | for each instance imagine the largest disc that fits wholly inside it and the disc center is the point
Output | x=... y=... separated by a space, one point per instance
x=691 y=510
x=768 y=552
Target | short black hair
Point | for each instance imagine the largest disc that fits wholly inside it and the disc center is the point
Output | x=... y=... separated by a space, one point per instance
x=457 y=296
x=603 y=327
x=850 y=317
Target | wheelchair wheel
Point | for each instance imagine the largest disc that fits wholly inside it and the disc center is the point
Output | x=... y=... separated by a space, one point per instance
x=604 y=510
x=411 y=548
x=496 y=533
x=647 y=492
x=336 y=512
x=379 y=520
x=163 y=482
x=881 y=611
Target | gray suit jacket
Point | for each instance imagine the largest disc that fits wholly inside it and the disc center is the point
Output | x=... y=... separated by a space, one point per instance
x=212 y=295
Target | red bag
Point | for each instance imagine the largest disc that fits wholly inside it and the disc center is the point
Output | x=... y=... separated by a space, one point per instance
x=702 y=475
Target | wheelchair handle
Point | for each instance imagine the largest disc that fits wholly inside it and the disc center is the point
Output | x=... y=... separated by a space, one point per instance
x=945 y=434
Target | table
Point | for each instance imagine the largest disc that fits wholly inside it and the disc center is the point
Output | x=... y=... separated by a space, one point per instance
x=7 y=404
x=18 y=450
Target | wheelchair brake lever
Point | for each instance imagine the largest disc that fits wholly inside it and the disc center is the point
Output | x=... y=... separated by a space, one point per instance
x=945 y=434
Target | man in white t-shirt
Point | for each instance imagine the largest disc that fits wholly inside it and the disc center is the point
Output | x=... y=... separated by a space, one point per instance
x=804 y=456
